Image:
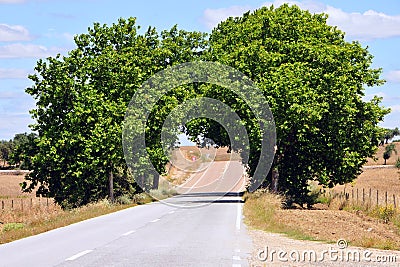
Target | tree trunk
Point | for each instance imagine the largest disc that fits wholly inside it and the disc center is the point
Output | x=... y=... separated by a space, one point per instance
x=384 y=162
x=156 y=180
x=111 y=186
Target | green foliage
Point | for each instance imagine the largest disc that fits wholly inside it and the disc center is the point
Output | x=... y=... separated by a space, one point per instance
x=314 y=81
x=386 y=213
x=12 y=226
x=398 y=163
x=388 y=134
x=389 y=149
x=5 y=151
x=81 y=102
x=24 y=149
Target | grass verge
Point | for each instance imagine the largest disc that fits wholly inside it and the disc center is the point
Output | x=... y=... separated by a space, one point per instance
x=377 y=228
x=260 y=211
x=39 y=221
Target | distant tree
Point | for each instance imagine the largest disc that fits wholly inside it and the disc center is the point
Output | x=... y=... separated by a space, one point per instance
x=5 y=150
x=25 y=147
x=389 y=149
x=389 y=134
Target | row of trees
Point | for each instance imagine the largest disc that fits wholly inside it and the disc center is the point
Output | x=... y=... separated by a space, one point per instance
x=312 y=78
x=388 y=134
x=18 y=151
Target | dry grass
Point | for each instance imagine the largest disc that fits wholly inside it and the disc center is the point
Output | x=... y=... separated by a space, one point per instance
x=10 y=188
x=31 y=215
x=263 y=211
x=379 y=156
x=39 y=220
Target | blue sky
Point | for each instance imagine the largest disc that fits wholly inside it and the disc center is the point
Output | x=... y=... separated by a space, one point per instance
x=33 y=29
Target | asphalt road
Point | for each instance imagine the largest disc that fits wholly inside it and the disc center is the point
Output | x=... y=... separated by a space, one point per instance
x=202 y=227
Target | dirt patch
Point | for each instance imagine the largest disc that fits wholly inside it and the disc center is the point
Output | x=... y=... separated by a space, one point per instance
x=331 y=225
x=298 y=253
x=379 y=156
x=10 y=188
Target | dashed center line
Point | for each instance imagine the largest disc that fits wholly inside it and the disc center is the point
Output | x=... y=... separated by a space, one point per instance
x=156 y=220
x=80 y=254
x=238 y=216
x=172 y=211
x=236 y=258
x=128 y=233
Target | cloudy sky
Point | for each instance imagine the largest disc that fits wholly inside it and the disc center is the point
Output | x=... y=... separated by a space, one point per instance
x=33 y=29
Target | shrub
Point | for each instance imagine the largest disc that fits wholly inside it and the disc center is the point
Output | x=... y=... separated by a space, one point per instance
x=12 y=226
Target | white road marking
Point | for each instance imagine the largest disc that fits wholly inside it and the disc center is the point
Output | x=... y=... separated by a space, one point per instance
x=238 y=216
x=236 y=258
x=237 y=250
x=128 y=233
x=236 y=265
x=80 y=254
x=172 y=211
x=156 y=220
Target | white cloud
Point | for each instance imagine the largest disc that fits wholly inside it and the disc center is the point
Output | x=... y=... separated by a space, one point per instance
x=13 y=73
x=367 y=25
x=393 y=76
x=9 y=33
x=212 y=17
x=28 y=51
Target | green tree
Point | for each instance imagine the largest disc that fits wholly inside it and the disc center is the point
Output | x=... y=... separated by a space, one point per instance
x=24 y=148
x=5 y=151
x=388 y=134
x=389 y=149
x=81 y=102
x=314 y=81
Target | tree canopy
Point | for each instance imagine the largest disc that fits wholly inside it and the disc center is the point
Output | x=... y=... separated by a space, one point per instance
x=81 y=103
x=314 y=82
x=312 y=77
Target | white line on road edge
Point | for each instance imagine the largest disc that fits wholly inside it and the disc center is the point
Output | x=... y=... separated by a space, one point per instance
x=128 y=233
x=236 y=258
x=172 y=211
x=156 y=220
x=80 y=254
x=238 y=216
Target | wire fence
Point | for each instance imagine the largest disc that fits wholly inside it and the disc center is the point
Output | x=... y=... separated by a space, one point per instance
x=369 y=198
x=23 y=204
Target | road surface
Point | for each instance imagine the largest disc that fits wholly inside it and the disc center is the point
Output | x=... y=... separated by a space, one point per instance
x=202 y=227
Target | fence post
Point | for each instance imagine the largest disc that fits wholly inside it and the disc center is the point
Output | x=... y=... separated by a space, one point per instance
x=377 y=197
x=394 y=201
x=370 y=197
x=363 y=197
x=2 y=204
x=352 y=195
x=357 y=196
x=22 y=204
x=386 y=199
x=31 y=202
